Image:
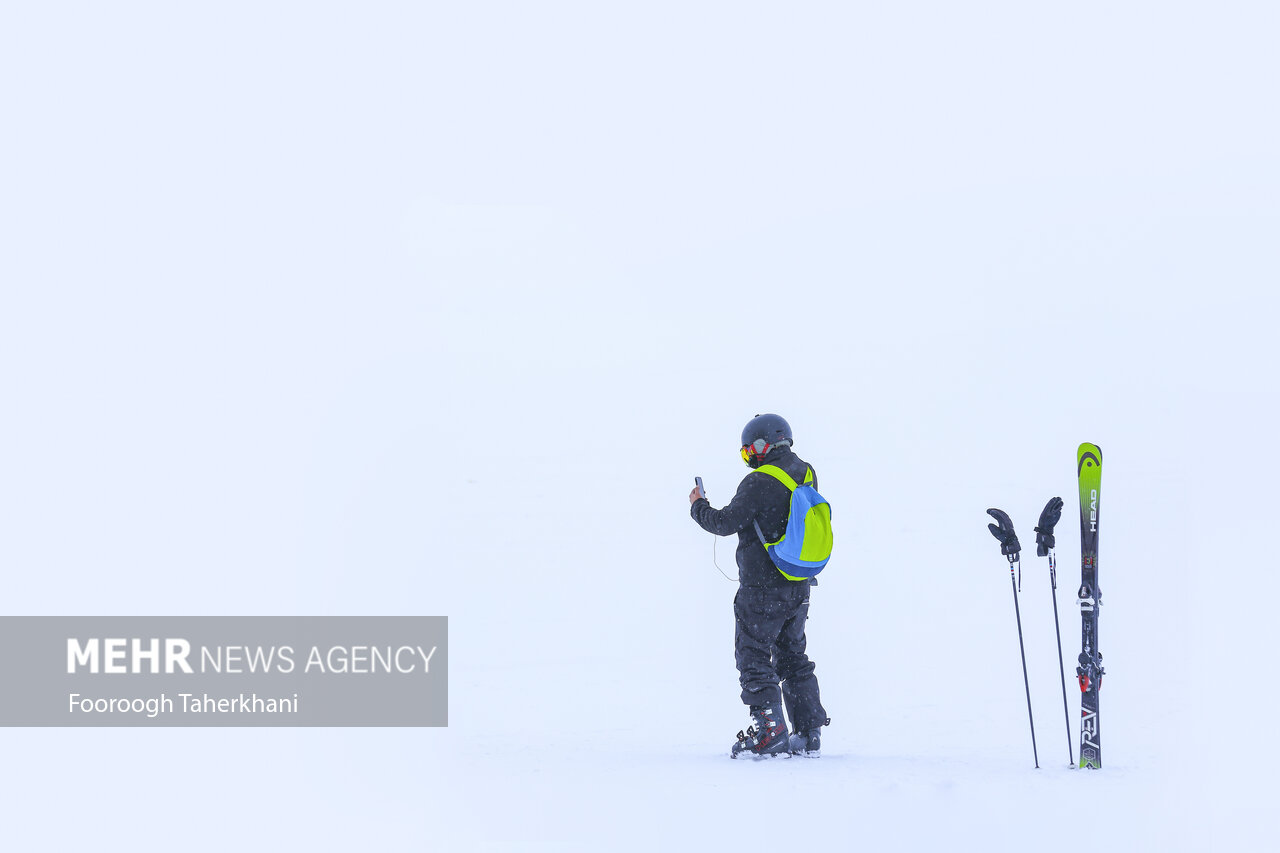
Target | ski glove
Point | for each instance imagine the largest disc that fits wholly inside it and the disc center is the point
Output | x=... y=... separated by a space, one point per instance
x=1004 y=532
x=1044 y=530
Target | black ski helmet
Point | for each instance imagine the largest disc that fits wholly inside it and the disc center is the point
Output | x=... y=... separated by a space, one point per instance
x=764 y=432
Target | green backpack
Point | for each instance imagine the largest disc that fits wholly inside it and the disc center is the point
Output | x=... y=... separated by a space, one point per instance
x=805 y=548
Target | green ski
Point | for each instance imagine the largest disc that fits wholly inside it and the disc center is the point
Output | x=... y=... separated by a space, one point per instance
x=1090 y=671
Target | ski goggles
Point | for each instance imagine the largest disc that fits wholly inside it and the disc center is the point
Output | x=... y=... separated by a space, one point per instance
x=758 y=448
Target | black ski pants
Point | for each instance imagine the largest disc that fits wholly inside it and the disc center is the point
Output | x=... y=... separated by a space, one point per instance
x=769 y=647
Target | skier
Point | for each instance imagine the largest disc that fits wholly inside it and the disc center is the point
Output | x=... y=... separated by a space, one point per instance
x=770 y=610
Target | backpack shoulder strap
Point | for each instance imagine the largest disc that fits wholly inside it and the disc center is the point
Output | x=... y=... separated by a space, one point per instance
x=782 y=476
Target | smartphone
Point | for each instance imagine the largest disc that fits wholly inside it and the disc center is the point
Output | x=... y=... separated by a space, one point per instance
x=701 y=490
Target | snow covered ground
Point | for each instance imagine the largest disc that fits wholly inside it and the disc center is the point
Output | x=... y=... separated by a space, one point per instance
x=439 y=310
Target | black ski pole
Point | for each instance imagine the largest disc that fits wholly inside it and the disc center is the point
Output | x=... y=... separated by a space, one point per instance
x=1009 y=547
x=1066 y=714
x=1044 y=546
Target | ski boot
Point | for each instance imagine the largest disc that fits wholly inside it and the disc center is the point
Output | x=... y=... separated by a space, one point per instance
x=765 y=738
x=808 y=743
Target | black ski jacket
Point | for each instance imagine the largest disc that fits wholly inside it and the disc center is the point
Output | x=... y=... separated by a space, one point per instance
x=760 y=498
